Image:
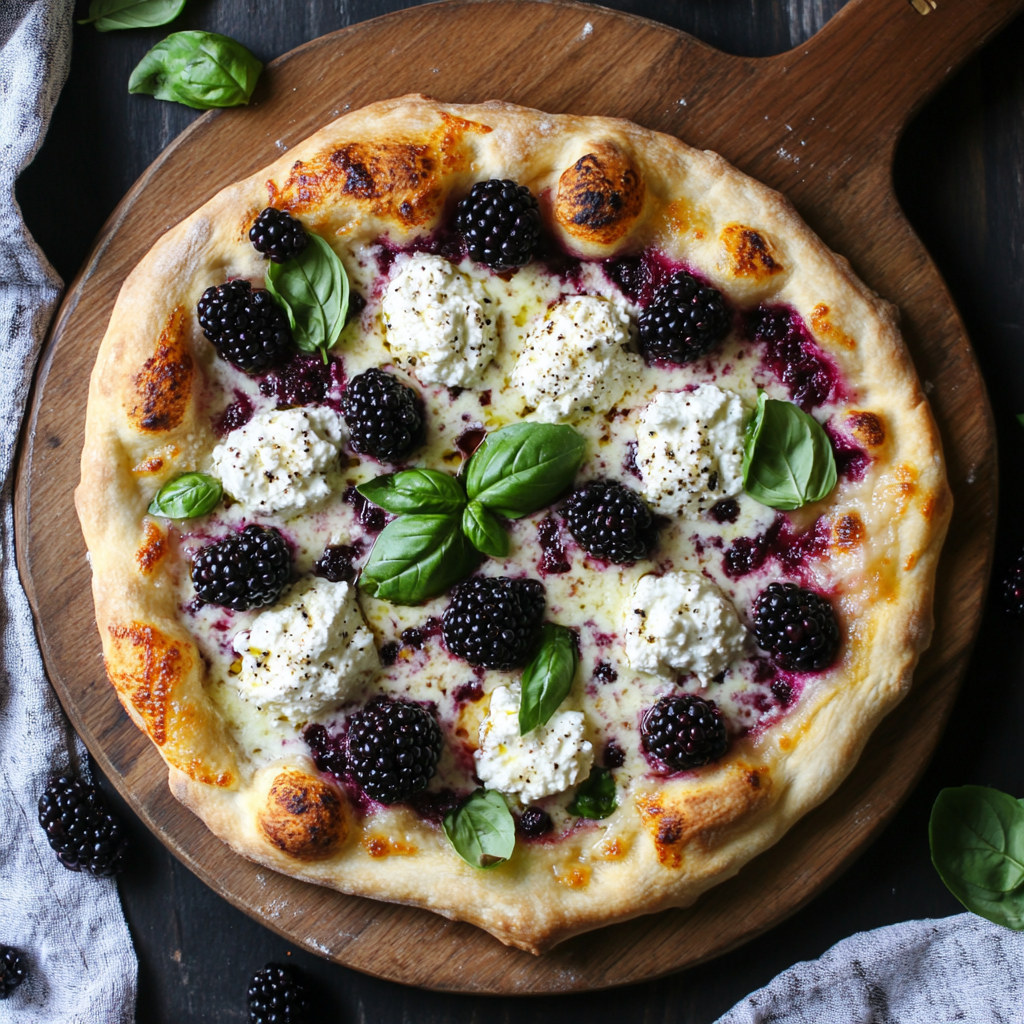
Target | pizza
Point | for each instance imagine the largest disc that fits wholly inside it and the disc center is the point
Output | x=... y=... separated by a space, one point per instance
x=516 y=515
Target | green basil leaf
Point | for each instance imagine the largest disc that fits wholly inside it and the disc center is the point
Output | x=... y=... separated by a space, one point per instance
x=203 y=70
x=485 y=533
x=787 y=457
x=482 y=830
x=595 y=798
x=415 y=490
x=416 y=557
x=1020 y=418
x=522 y=468
x=187 y=496
x=548 y=678
x=976 y=836
x=114 y=14
x=313 y=291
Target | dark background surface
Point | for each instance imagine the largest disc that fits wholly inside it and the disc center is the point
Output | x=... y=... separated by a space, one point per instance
x=959 y=175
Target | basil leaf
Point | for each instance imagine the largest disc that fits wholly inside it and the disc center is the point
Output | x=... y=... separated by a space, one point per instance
x=548 y=678
x=485 y=533
x=482 y=830
x=595 y=798
x=416 y=557
x=522 y=468
x=113 y=14
x=976 y=836
x=1020 y=418
x=787 y=457
x=187 y=496
x=203 y=70
x=312 y=289
x=415 y=490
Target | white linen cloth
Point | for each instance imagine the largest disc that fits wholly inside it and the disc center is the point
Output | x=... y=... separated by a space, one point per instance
x=82 y=968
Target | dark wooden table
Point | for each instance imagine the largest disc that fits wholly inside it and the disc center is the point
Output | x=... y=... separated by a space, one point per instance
x=958 y=174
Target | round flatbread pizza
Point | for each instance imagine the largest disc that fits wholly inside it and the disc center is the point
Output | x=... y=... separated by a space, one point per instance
x=521 y=516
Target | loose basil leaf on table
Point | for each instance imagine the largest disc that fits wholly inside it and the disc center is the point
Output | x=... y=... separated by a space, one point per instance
x=595 y=798
x=203 y=70
x=416 y=557
x=976 y=836
x=115 y=14
x=482 y=830
x=524 y=467
x=787 y=456
x=313 y=291
x=415 y=490
x=548 y=678
x=485 y=533
x=187 y=496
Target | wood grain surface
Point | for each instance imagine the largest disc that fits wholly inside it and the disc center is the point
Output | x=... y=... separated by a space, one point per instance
x=821 y=123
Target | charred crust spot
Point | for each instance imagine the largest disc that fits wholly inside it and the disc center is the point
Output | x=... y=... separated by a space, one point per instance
x=163 y=387
x=848 y=531
x=153 y=548
x=599 y=196
x=670 y=831
x=749 y=253
x=823 y=327
x=928 y=507
x=868 y=428
x=303 y=817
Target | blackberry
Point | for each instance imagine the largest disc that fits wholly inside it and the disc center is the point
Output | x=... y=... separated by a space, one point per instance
x=327 y=751
x=80 y=827
x=684 y=731
x=279 y=237
x=494 y=621
x=393 y=748
x=335 y=564
x=684 y=321
x=246 y=570
x=610 y=521
x=500 y=222
x=277 y=996
x=245 y=325
x=304 y=380
x=383 y=415
x=13 y=970
x=1013 y=588
x=534 y=822
x=796 y=626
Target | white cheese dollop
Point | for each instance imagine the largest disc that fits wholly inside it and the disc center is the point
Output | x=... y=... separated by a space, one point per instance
x=280 y=460
x=681 y=623
x=441 y=324
x=690 y=449
x=575 y=361
x=306 y=653
x=547 y=760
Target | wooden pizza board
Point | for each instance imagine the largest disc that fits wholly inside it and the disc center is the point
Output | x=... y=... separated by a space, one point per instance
x=820 y=123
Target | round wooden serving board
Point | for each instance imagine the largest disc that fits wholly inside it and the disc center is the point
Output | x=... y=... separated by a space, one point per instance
x=819 y=123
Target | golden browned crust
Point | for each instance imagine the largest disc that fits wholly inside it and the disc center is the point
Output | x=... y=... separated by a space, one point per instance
x=303 y=816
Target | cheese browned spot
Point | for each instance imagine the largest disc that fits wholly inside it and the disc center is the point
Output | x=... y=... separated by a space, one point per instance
x=163 y=387
x=748 y=253
x=153 y=547
x=600 y=195
x=868 y=428
x=303 y=816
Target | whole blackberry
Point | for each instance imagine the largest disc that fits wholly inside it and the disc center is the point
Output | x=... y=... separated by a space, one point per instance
x=13 y=970
x=80 y=828
x=500 y=222
x=684 y=731
x=246 y=570
x=276 y=996
x=796 y=626
x=383 y=415
x=245 y=325
x=279 y=237
x=494 y=621
x=1013 y=587
x=393 y=748
x=534 y=822
x=684 y=321
x=610 y=521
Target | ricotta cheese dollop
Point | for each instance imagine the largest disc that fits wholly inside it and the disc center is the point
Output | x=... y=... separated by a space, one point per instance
x=441 y=324
x=280 y=460
x=575 y=360
x=308 y=652
x=681 y=623
x=547 y=760
x=689 y=449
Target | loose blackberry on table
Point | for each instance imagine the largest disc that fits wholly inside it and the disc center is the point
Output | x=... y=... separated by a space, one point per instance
x=277 y=235
x=797 y=627
x=494 y=621
x=277 y=996
x=247 y=570
x=684 y=321
x=610 y=521
x=384 y=416
x=80 y=828
x=684 y=731
x=393 y=748
x=13 y=970
x=245 y=326
x=500 y=222
x=1013 y=588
